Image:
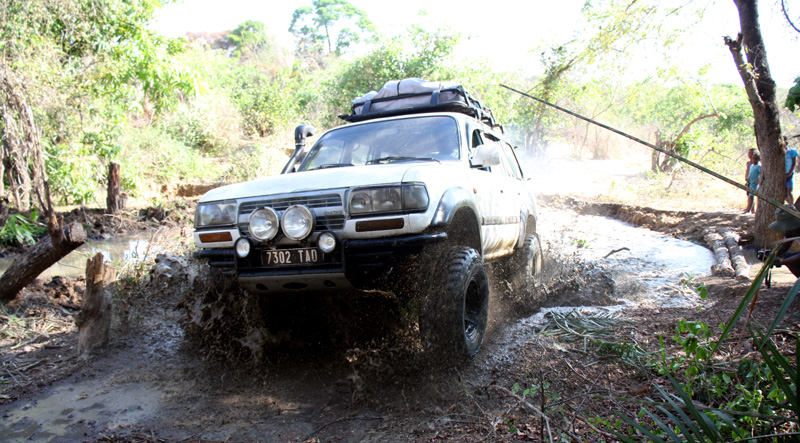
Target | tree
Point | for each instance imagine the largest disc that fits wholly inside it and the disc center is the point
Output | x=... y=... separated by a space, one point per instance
x=85 y=67
x=250 y=37
x=417 y=53
x=612 y=28
x=327 y=27
x=760 y=88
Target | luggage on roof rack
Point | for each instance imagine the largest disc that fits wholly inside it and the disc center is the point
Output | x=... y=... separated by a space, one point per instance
x=414 y=96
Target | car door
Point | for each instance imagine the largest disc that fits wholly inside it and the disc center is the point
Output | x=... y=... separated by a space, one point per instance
x=494 y=193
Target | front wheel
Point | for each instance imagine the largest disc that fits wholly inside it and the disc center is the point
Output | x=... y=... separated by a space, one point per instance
x=454 y=309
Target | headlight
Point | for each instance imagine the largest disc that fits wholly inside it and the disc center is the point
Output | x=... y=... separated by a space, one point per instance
x=415 y=197
x=263 y=224
x=217 y=213
x=407 y=197
x=297 y=222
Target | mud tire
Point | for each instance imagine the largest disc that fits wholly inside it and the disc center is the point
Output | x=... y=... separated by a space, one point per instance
x=454 y=310
x=522 y=268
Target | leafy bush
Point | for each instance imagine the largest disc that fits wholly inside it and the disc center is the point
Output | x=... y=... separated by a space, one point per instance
x=266 y=103
x=74 y=173
x=756 y=401
x=156 y=157
x=210 y=123
x=261 y=160
x=20 y=231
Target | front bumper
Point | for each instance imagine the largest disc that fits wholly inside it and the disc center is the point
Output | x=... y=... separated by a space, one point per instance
x=357 y=263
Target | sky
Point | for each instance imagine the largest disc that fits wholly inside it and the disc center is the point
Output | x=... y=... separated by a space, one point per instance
x=501 y=31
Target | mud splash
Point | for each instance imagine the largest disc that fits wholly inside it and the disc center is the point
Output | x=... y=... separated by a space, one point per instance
x=619 y=265
x=154 y=381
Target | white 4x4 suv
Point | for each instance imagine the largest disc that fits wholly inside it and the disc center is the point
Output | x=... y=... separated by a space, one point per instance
x=412 y=197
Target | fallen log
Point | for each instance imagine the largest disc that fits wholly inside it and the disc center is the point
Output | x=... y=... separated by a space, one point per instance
x=740 y=266
x=94 y=319
x=36 y=260
x=716 y=243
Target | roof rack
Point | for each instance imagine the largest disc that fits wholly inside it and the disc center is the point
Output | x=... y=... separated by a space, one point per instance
x=415 y=96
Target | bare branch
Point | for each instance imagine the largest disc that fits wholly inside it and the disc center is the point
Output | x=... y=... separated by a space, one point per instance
x=786 y=15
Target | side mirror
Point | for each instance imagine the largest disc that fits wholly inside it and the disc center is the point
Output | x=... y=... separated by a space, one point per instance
x=300 y=134
x=486 y=155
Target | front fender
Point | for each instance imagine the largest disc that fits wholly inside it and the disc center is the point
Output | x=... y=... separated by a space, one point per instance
x=452 y=200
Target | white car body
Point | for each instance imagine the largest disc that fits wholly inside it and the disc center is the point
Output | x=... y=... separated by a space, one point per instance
x=495 y=193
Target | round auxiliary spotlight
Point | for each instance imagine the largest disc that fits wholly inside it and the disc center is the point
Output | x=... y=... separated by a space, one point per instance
x=242 y=247
x=326 y=242
x=263 y=224
x=297 y=222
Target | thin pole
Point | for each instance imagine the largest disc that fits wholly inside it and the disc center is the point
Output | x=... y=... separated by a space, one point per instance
x=786 y=208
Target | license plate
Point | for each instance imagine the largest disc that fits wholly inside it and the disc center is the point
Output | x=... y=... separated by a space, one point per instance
x=285 y=257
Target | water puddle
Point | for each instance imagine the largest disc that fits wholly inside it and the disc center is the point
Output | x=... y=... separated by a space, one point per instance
x=116 y=250
x=78 y=409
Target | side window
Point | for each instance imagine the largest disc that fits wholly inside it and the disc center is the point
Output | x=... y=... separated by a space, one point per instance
x=511 y=158
x=476 y=139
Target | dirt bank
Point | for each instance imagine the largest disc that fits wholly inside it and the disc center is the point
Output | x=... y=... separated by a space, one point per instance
x=151 y=384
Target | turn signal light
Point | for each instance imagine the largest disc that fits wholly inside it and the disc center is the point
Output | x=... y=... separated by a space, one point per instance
x=215 y=237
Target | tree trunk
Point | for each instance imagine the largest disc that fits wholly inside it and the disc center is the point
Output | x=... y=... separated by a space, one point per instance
x=113 y=200
x=44 y=254
x=760 y=88
x=94 y=320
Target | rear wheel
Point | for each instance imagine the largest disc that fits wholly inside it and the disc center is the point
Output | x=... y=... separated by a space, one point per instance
x=455 y=308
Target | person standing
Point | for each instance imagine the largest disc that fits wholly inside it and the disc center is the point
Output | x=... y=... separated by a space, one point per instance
x=750 y=153
x=753 y=181
x=791 y=163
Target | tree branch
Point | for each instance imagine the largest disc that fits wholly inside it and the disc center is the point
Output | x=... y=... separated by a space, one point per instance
x=745 y=73
x=786 y=15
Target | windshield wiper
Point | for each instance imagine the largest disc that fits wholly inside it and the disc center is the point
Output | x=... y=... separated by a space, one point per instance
x=332 y=165
x=398 y=158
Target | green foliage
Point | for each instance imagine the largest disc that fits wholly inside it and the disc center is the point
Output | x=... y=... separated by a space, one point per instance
x=155 y=157
x=250 y=37
x=418 y=53
x=211 y=123
x=327 y=27
x=87 y=67
x=264 y=102
x=793 y=97
x=73 y=172
x=254 y=162
x=756 y=400
x=21 y=231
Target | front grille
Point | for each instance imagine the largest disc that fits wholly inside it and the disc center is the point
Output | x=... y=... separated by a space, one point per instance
x=324 y=222
x=281 y=204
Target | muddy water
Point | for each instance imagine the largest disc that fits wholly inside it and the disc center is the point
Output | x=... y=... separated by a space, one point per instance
x=645 y=268
x=151 y=383
x=117 y=250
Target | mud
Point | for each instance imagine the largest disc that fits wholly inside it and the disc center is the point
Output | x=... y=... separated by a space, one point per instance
x=344 y=368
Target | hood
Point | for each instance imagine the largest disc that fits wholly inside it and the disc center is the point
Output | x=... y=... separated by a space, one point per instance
x=335 y=178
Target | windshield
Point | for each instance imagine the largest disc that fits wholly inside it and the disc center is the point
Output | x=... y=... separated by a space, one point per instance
x=410 y=139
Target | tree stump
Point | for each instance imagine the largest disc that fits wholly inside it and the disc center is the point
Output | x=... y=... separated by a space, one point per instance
x=94 y=319
x=114 y=202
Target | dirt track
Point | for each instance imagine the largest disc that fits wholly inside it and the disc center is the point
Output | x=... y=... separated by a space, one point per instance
x=150 y=385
